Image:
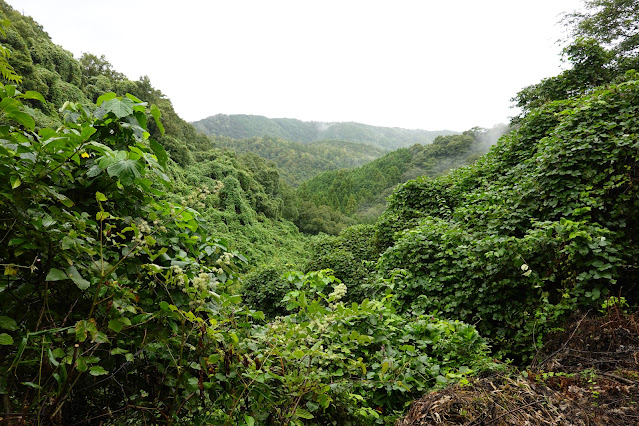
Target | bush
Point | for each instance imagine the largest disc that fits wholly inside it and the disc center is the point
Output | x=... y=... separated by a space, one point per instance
x=328 y=362
x=264 y=289
x=540 y=226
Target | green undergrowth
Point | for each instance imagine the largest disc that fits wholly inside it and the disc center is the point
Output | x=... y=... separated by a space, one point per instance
x=542 y=225
x=119 y=302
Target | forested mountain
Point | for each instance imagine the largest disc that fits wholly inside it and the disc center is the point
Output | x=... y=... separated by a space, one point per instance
x=250 y=189
x=362 y=191
x=247 y=126
x=298 y=162
x=150 y=277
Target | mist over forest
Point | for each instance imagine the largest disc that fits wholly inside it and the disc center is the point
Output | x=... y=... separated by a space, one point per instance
x=245 y=270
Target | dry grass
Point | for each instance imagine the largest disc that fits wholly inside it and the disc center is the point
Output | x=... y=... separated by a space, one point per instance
x=586 y=375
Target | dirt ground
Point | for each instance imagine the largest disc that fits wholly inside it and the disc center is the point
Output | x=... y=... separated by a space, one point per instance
x=586 y=375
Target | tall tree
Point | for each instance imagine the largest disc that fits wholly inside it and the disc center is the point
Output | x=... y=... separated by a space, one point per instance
x=612 y=23
x=602 y=46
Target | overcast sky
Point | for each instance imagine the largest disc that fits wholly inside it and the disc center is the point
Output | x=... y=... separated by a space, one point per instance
x=403 y=63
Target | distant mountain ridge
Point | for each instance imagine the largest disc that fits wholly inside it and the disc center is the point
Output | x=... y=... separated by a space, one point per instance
x=241 y=126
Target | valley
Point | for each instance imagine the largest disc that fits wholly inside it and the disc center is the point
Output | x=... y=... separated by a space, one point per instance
x=243 y=270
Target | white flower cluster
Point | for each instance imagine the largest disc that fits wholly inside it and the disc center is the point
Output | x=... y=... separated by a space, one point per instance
x=218 y=187
x=321 y=325
x=143 y=229
x=204 y=287
x=157 y=223
x=339 y=291
x=179 y=279
x=197 y=197
x=202 y=282
x=225 y=259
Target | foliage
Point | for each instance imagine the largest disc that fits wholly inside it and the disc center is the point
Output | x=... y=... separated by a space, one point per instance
x=251 y=209
x=329 y=362
x=351 y=256
x=538 y=227
x=362 y=191
x=128 y=306
x=6 y=70
x=603 y=46
x=299 y=162
x=613 y=24
x=313 y=219
x=590 y=68
x=264 y=288
x=101 y=278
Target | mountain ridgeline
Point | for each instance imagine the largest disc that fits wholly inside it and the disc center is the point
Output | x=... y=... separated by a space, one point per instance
x=241 y=126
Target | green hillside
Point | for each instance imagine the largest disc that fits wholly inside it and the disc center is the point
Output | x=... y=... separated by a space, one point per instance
x=298 y=162
x=59 y=77
x=362 y=191
x=539 y=228
x=151 y=276
x=247 y=126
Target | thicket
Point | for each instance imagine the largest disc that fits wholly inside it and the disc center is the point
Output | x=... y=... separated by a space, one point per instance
x=537 y=228
x=543 y=224
x=119 y=301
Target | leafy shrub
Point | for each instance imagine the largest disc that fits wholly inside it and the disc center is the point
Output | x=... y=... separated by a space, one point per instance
x=264 y=288
x=540 y=226
x=350 y=256
x=352 y=364
x=102 y=278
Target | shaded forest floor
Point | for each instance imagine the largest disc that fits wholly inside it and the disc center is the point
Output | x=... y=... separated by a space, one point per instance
x=587 y=374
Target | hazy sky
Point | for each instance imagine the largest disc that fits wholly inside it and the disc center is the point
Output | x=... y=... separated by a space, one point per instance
x=404 y=63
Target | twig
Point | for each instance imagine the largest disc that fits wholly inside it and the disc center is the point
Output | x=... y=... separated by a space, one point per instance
x=618 y=378
x=510 y=412
x=565 y=343
x=9 y=230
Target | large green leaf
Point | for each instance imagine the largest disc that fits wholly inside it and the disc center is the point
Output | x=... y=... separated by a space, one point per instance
x=159 y=152
x=105 y=97
x=75 y=276
x=87 y=131
x=97 y=370
x=8 y=323
x=23 y=118
x=126 y=171
x=155 y=112
x=10 y=105
x=15 y=181
x=56 y=275
x=5 y=339
x=30 y=94
x=302 y=413
x=118 y=324
x=120 y=107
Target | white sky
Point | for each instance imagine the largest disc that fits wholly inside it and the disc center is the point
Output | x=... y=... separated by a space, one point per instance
x=447 y=64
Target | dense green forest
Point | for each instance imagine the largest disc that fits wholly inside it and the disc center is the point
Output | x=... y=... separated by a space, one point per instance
x=246 y=126
x=253 y=194
x=362 y=192
x=152 y=275
x=297 y=162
